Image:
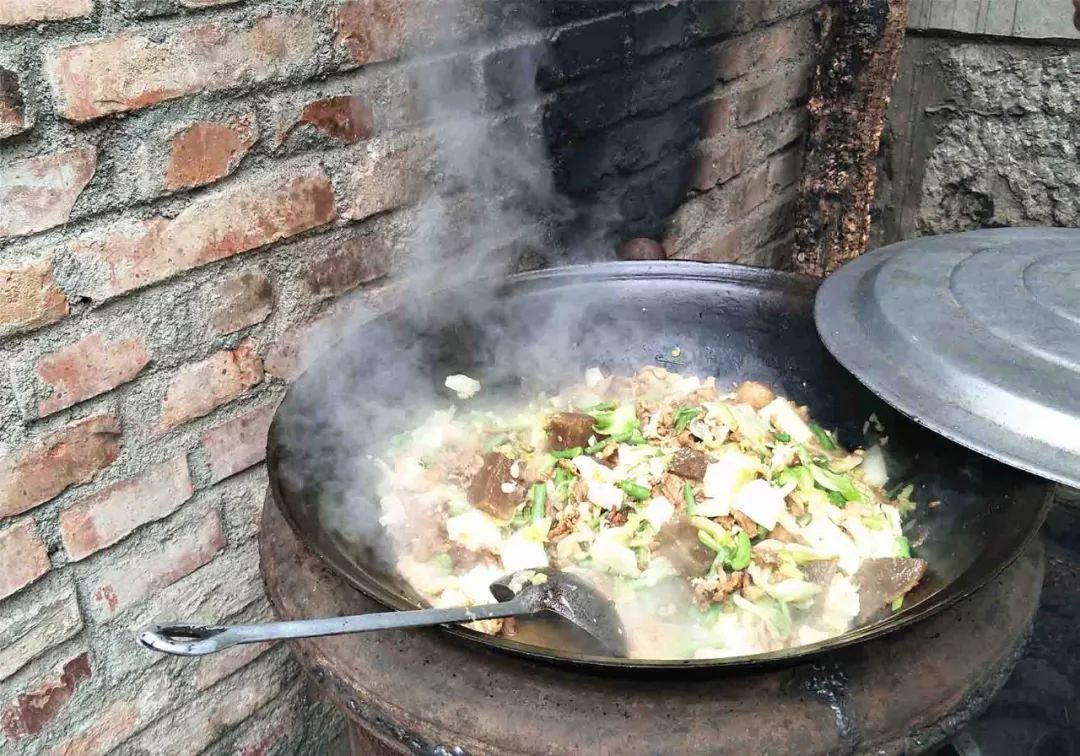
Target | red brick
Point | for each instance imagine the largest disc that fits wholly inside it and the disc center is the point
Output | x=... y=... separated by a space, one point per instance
x=289 y=354
x=719 y=117
x=238 y=444
x=216 y=668
x=89 y=367
x=239 y=301
x=70 y=456
x=200 y=388
x=38 y=193
x=13 y=119
x=385 y=178
x=242 y=217
x=721 y=246
x=785 y=168
x=346 y=118
x=743 y=55
x=30 y=297
x=17 y=12
x=23 y=558
x=31 y=711
x=265 y=735
x=719 y=162
x=105 y=518
x=357 y=261
x=772 y=96
x=207 y=151
x=131 y=71
x=117 y=724
x=151 y=570
x=754 y=190
x=374 y=30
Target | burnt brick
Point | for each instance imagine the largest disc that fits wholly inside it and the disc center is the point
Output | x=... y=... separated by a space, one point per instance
x=672 y=78
x=630 y=147
x=556 y=12
x=712 y=20
x=655 y=193
x=511 y=75
x=588 y=49
x=658 y=29
x=598 y=104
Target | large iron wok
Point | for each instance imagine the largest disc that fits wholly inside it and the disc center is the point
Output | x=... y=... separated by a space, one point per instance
x=541 y=330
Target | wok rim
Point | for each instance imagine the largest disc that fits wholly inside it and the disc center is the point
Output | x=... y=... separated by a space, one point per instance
x=764 y=278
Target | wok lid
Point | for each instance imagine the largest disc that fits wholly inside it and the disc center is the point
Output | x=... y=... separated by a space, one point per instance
x=973 y=335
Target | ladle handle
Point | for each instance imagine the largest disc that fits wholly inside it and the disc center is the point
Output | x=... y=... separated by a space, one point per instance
x=198 y=640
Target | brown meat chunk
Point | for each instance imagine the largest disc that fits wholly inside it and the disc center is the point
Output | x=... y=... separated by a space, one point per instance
x=819 y=572
x=485 y=492
x=670 y=487
x=757 y=395
x=880 y=581
x=779 y=533
x=570 y=429
x=745 y=523
x=708 y=592
x=678 y=542
x=689 y=464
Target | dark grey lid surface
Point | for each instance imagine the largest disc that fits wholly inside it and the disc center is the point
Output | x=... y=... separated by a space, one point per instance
x=974 y=335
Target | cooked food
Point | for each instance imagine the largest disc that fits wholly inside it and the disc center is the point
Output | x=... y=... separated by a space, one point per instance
x=720 y=524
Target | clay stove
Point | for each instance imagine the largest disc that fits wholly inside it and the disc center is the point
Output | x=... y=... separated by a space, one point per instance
x=423 y=692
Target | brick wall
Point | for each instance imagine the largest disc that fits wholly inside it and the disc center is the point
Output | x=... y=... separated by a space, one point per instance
x=189 y=187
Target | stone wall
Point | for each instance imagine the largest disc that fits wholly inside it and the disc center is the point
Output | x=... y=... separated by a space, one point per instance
x=187 y=186
x=983 y=131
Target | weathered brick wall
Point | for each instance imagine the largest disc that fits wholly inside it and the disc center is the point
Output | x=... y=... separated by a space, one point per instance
x=187 y=186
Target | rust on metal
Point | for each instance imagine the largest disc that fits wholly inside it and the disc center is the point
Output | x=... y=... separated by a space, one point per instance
x=861 y=41
x=420 y=691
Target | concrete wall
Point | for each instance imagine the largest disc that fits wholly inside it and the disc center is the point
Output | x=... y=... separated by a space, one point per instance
x=187 y=187
x=983 y=130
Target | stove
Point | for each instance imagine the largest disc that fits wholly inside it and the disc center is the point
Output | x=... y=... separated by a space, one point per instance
x=424 y=692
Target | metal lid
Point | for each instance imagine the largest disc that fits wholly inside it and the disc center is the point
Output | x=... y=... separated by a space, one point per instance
x=974 y=335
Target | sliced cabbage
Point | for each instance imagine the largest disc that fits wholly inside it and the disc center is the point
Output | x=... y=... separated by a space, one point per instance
x=609 y=552
x=761 y=501
x=874 y=470
x=775 y=614
x=658 y=511
x=474 y=530
x=724 y=477
x=750 y=425
x=526 y=548
x=786 y=419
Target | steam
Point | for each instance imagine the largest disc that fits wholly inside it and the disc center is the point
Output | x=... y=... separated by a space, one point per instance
x=493 y=168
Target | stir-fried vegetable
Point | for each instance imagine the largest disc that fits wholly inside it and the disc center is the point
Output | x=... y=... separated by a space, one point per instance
x=662 y=486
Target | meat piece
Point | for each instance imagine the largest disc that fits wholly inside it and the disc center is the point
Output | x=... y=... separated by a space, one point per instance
x=745 y=523
x=702 y=395
x=570 y=429
x=779 y=533
x=819 y=572
x=678 y=542
x=757 y=395
x=880 y=581
x=486 y=489
x=713 y=591
x=689 y=464
x=670 y=487
x=616 y=518
x=509 y=627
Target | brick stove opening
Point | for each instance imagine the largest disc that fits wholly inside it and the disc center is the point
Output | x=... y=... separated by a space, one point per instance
x=190 y=189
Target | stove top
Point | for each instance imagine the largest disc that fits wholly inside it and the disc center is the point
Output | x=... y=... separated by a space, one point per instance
x=1037 y=713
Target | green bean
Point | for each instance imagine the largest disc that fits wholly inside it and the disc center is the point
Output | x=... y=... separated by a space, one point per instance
x=822 y=436
x=539 y=501
x=684 y=416
x=574 y=451
x=688 y=498
x=635 y=491
x=903 y=547
x=740 y=560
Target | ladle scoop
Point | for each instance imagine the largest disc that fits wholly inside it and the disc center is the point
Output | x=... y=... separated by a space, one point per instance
x=520 y=594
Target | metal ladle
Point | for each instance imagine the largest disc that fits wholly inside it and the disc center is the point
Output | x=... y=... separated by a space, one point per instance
x=520 y=594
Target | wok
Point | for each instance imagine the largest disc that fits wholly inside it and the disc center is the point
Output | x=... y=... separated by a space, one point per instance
x=540 y=331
